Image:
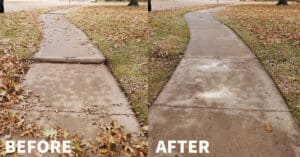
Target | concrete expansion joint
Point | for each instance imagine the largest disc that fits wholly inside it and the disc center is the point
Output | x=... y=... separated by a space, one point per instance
x=220 y=58
x=51 y=13
x=220 y=108
x=101 y=113
x=69 y=60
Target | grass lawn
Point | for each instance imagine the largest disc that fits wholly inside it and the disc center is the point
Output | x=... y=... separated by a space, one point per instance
x=20 y=32
x=20 y=35
x=168 y=38
x=121 y=34
x=19 y=39
x=273 y=34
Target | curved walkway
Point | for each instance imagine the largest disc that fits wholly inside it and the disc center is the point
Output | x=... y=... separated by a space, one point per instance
x=221 y=93
x=77 y=97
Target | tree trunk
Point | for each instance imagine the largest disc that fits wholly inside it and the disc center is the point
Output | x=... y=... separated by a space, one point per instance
x=133 y=3
x=282 y=2
x=149 y=5
x=1 y=6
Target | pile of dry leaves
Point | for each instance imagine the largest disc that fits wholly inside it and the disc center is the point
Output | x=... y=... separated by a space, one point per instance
x=112 y=141
x=19 y=39
x=12 y=70
x=15 y=124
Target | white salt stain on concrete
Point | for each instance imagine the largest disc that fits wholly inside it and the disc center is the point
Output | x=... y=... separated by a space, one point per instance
x=221 y=93
x=213 y=66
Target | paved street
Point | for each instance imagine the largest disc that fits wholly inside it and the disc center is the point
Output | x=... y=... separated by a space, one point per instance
x=17 y=6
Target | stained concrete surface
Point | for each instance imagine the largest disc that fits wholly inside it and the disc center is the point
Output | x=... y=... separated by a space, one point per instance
x=231 y=133
x=75 y=87
x=63 y=42
x=222 y=83
x=221 y=93
x=76 y=97
x=85 y=124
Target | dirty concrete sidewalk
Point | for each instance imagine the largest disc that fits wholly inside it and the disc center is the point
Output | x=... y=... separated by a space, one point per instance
x=69 y=94
x=221 y=93
x=63 y=42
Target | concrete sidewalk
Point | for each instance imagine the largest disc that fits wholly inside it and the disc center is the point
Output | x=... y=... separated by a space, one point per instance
x=76 y=97
x=221 y=93
x=63 y=42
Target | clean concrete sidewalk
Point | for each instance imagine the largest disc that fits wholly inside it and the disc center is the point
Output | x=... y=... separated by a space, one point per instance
x=221 y=93
x=76 y=97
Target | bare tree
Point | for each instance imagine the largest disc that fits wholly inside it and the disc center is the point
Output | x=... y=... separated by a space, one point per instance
x=1 y=6
x=282 y=2
x=133 y=3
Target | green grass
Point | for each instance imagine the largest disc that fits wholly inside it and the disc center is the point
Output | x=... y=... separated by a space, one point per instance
x=120 y=32
x=282 y=58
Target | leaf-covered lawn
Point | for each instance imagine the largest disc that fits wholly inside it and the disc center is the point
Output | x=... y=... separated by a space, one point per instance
x=20 y=34
x=168 y=38
x=273 y=33
x=121 y=34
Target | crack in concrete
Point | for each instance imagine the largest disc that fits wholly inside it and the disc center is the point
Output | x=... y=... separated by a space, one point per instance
x=74 y=111
x=221 y=58
x=219 y=108
x=50 y=13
